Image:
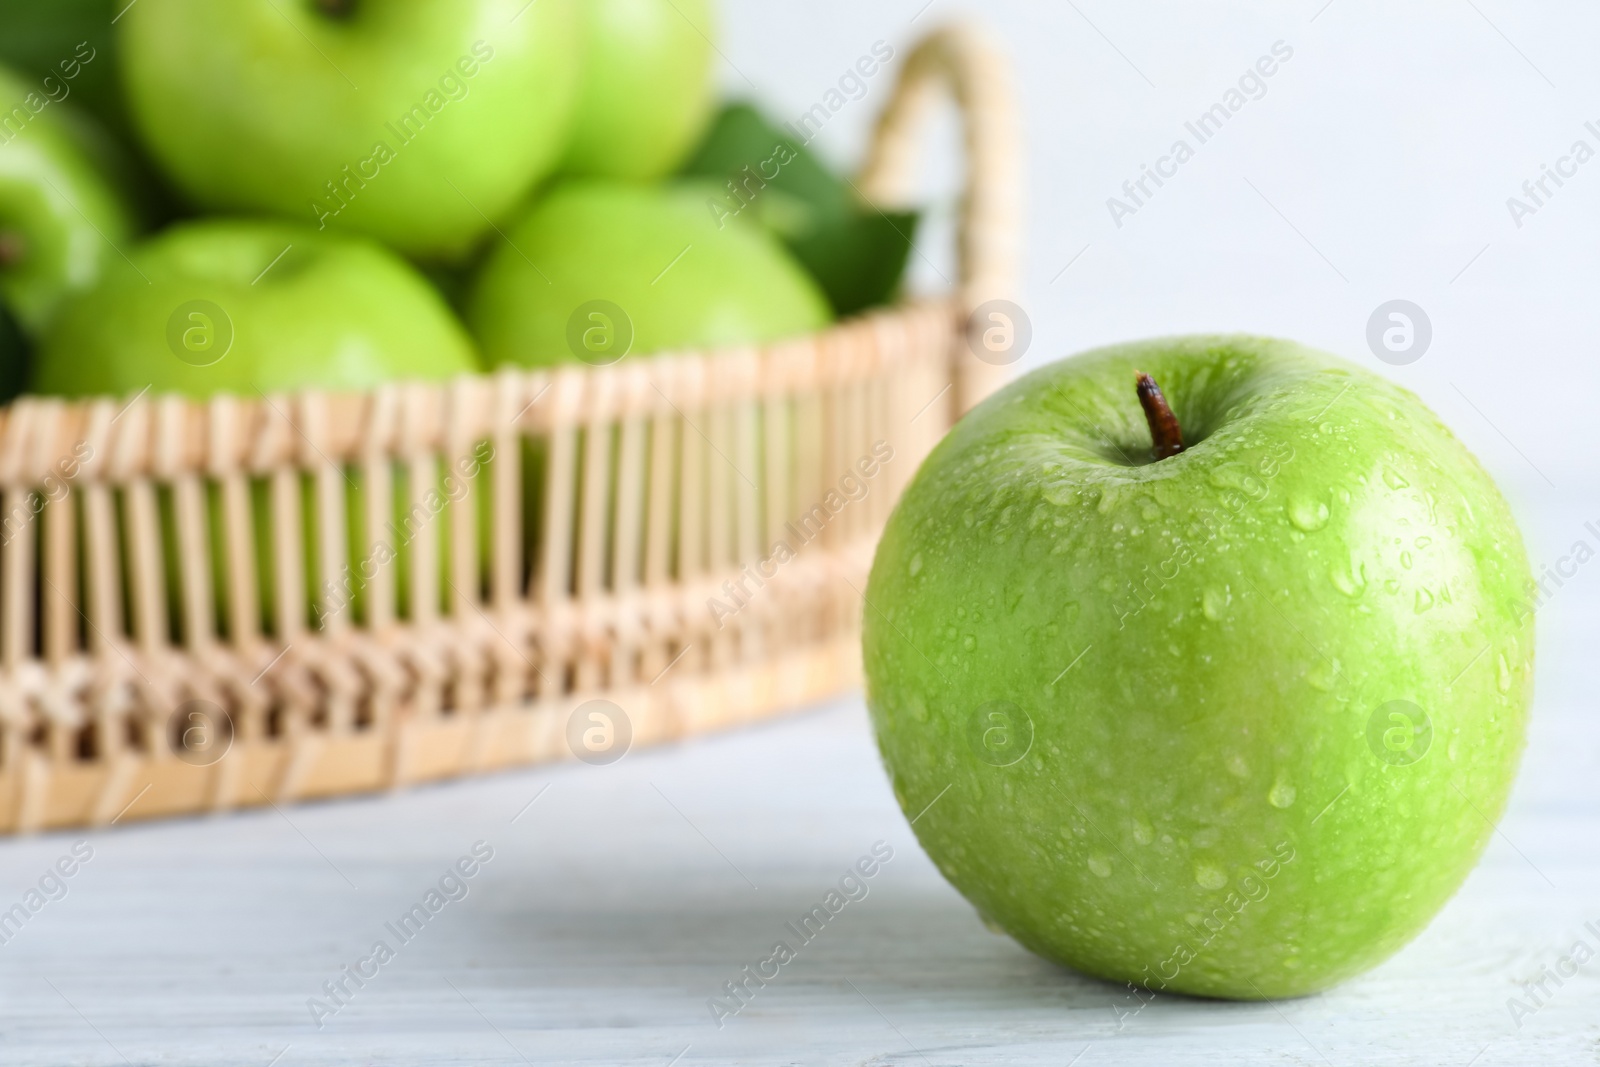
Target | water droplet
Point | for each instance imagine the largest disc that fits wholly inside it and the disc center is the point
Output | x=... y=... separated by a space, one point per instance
x=1308 y=515
x=1405 y=560
x=1237 y=766
x=1209 y=876
x=1281 y=795
x=1352 y=582
x=1393 y=479
x=916 y=564
x=1423 y=541
x=1143 y=832
x=969 y=642
x=1424 y=601
x=1214 y=603
x=1100 y=865
x=1323 y=674
x=1390 y=585
x=1502 y=674
x=1149 y=513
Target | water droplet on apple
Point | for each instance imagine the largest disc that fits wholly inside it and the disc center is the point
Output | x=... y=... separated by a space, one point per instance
x=1100 y=865
x=1281 y=795
x=1143 y=832
x=1352 y=582
x=1308 y=515
x=1405 y=560
x=1323 y=674
x=969 y=642
x=1423 y=542
x=1214 y=603
x=1424 y=601
x=1391 y=585
x=1237 y=766
x=1209 y=876
x=1502 y=673
x=1393 y=479
x=916 y=564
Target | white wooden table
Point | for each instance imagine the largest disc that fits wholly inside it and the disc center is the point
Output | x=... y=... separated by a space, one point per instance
x=624 y=896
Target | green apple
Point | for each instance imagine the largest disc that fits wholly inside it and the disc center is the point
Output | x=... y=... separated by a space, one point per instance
x=246 y=306
x=599 y=269
x=416 y=121
x=1234 y=722
x=646 y=89
x=62 y=220
x=259 y=307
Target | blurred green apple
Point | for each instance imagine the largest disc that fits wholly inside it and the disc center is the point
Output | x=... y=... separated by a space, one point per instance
x=416 y=121
x=246 y=306
x=1233 y=722
x=646 y=89
x=598 y=270
x=61 y=218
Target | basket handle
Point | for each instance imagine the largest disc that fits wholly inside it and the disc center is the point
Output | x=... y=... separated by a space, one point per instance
x=963 y=61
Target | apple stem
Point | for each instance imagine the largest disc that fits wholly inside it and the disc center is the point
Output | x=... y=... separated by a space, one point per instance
x=1165 y=433
x=12 y=249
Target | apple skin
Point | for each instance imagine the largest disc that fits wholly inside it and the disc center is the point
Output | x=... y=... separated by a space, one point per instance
x=1200 y=645
x=258 y=105
x=656 y=253
x=646 y=90
x=335 y=312
x=61 y=215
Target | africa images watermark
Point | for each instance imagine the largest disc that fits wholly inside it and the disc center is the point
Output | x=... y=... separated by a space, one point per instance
x=1538 y=992
x=1202 y=128
x=1249 y=488
x=55 y=90
x=344 y=187
x=853 y=486
x=53 y=488
x=1248 y=889
x=745 y=185
x=453 y=885
x=740 y=990
x=52 y=886
x=1538 y=191
x=338 y=594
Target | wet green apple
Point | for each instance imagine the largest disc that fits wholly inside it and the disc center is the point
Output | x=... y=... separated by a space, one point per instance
x=599 y=269
x=415 y=121
x=62 y=218
x=646 y=90
x=1217 y=692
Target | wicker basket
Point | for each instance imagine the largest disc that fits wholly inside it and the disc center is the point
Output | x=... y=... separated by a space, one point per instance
x=646 y=578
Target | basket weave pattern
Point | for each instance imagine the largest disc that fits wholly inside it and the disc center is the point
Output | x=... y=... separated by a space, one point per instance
x=695 y=551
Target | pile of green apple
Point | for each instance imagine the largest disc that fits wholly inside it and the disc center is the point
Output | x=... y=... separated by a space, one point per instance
x=259 y=196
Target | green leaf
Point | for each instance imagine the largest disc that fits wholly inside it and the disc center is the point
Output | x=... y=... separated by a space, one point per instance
x=857 y=254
